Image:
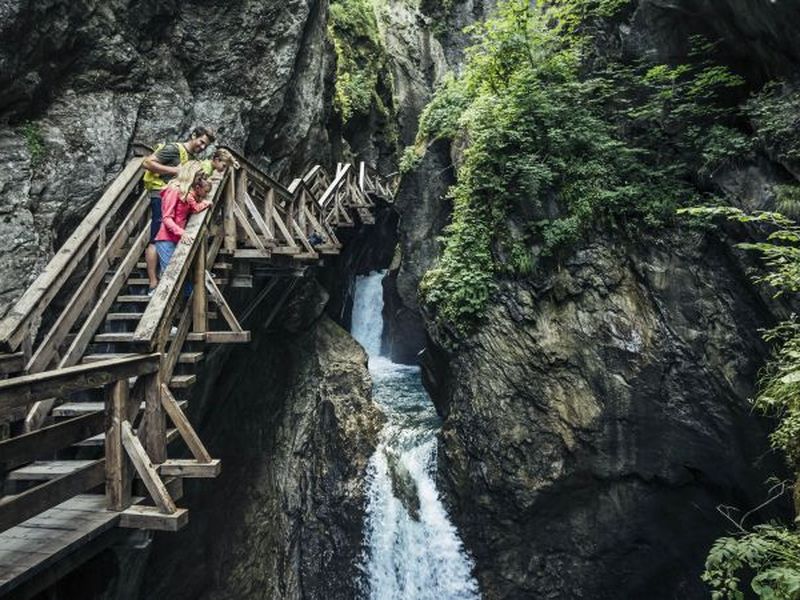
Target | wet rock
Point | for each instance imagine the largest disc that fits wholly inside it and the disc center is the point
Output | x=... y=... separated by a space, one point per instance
x=404 y=488
x=598 y=418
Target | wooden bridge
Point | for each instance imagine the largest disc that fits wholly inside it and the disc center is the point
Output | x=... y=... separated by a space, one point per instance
x=94 y=373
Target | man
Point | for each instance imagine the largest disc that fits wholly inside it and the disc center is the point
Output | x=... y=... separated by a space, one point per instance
x=161 y=166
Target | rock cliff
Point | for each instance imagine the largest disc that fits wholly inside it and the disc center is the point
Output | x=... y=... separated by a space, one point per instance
x=599 y=417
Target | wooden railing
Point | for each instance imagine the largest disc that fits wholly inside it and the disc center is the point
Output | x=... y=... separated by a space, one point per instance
x=112 y=377
x=91 y=239
x=253 y=216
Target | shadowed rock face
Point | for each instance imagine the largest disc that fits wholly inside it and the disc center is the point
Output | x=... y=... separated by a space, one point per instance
x=596 y=420
x=293 y=421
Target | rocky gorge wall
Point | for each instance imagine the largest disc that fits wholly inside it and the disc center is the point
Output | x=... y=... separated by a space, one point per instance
x=599 y=415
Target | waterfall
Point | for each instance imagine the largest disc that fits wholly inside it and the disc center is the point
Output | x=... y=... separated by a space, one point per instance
x=412 y=550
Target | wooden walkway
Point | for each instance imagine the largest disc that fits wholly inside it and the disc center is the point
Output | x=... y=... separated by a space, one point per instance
x=95 y=375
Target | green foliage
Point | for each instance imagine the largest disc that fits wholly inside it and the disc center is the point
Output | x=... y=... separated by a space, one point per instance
x=787 y=200
x=775 y=111
x=771 y=551
x=617 y=147
x=360 y=57
x=34 y=139
x=770 y=554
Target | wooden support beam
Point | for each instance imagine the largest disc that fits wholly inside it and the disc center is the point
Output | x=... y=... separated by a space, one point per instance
x=146 y=470
x=251 y=234
x=199 y=298
x=191 y=469
x=183 y=426
x=229 y=222
x=248 y=203
x=227 y=337
x=149 y=517
x=155 y=423
x=117 y=468
x=220 y=301
x=20 y=391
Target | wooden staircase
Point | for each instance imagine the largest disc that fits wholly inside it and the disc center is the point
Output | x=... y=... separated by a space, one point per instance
x=95 y=375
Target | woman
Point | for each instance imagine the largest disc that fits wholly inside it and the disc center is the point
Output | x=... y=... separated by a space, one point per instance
x=183 y=196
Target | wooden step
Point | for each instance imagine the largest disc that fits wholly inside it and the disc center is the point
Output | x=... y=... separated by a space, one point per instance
x=227 y=337
x=182 y=381
x=44 y=470
x=11 y=363
x=149 y=517
x=126 y=316
x=92 y=358
x=190 y=468
x=190 y=358
x=98 y=441
x=133 y=299
x=242 y=281
x=77 y=409
x=120 y=337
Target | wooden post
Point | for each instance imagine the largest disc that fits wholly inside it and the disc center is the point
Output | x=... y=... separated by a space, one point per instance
x=118 y=480
x=155 y=441
x=268 y=213
x=199 y=297
x=229 y=221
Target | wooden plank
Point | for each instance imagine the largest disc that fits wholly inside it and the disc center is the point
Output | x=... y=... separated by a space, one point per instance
x=18 y=508
x=191 y=469
x=44 y=442
x=44 y=470
x=78 y=528
x=284 y=230
x=229 y=221
x=183 y=426
x=12 y=363
x=60 y=382
x=227 y=337
x=199 y=297
x=146 y=470
x=251 y=234
x=220 y=301
x=149 y=517
x=87 y=291
x=117 y=472
x=176 y=346
x=155 y=422
x=182 y=381
x=248 y=204
x=36 y=298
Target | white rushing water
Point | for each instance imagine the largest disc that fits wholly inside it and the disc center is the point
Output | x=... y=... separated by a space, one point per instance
x=412 y=549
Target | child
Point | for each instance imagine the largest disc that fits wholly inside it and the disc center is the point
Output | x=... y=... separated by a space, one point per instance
x=184 y=195
x=219 y=162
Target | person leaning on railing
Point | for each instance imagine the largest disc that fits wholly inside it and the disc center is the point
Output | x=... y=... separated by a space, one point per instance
x=160 y=168
x=184 y=195
x=219 y=162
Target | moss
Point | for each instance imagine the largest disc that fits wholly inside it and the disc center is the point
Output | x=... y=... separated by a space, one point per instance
x=361 y=60
x=34 y=139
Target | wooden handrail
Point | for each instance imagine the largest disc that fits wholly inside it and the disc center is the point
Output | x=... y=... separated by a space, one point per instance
x=33 y=302
x=157 y=318
x=20 y=391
